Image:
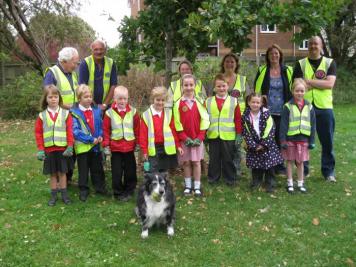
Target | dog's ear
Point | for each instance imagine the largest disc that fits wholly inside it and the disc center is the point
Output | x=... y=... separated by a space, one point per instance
x=147 y=177
x=164 y=175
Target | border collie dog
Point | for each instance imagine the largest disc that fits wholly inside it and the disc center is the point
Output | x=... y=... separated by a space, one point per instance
x=156 y=203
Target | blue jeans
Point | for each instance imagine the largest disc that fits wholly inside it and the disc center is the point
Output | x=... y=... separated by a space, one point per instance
x=325 y=127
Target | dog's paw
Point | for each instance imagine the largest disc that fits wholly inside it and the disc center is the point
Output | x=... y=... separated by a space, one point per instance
x=144 y=234
x=170 y=231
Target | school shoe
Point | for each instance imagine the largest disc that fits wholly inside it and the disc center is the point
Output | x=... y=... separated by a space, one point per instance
x=290 y=189
x=187 y=191
x=65 y=198
x=52 y=201
x=269 y=189
x=331 y=178
x=198 y=192
x=83 y=196
x=302 y=189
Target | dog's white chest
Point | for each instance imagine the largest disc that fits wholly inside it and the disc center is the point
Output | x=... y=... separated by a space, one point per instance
x=155 y=210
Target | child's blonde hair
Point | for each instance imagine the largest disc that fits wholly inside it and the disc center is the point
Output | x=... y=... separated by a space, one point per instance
x=81 y=90
x=187 y=76
x=299 y=81
x=159 y=91
x=50 y=89
x=121 y=91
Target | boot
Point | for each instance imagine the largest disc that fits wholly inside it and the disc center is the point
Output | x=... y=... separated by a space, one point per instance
x=53 y=198
x=65 y=197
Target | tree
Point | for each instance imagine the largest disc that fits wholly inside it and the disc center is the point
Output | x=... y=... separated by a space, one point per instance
x=15 y=16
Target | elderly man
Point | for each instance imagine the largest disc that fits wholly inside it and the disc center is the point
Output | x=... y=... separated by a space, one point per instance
x=63 y=75
x=319 y=72
x=99 y=72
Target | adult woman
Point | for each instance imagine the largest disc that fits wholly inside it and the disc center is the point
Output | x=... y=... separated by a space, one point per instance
x=274 y=80
x=237 y=88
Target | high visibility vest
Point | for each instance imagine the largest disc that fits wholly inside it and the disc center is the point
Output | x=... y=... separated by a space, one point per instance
x=176 y=91
x=299 y=121
x=169 y=144
x=322 y=98
x=222 y=122
x=67 y=91
x=204 y=116
x=54 y=132
x=267 y=130
x=240 y=85
x=108 y=62
x=122 y=128
x=79 y=146
x=262 y=72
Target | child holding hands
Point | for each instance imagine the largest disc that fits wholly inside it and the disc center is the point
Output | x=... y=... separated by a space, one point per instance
x=191 y=121
x=54 y=139
x=297 y=133
x=224 y=130
x=262 y=151
x=121 y=129
x=87 y=131
x=159 y=142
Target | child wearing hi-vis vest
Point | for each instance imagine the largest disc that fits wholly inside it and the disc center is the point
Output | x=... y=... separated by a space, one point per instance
x=159 y=142
x=54 y=139
x=191 y=121
x=121 y=129
x=87 y=131
x=224 y=130
x=297 y=133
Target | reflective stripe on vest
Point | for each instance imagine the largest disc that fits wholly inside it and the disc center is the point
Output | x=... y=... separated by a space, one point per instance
x=222 y=122
x=240 y=85
x=322 y=98
x=204 y=116
x=299 y=122
x=64 y=87
x=108 y=62
x=169 y=144
x=262 y=72
x=122 y=128
x=79 y=146
x=267 y=130
x=177 y=91
x=54 y=132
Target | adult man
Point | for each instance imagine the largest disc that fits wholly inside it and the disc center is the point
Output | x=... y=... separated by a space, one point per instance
x=63 y=75
x=319 y=73
x=99 y=72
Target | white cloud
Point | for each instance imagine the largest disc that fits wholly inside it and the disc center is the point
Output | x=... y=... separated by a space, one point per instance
x=97 y=12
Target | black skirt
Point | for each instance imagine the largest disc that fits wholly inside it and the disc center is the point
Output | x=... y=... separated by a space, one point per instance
x=56 y=162
x=162 y=162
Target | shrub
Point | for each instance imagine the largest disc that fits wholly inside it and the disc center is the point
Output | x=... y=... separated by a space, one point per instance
x=344 y=91
x=20 y=99
x=140 y=80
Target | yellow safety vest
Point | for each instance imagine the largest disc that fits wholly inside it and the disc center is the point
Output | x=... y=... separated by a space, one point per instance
x=262 y=72
x=108 y=62
x=322 y=98
x=240 y=85
x=204 y=116
x=222 y=122
x=299 y=121
x=54 y=132
x=175 y=90
x=63 y=85
x=122 y=128
x=266 y=132
x=79 y=146
x=169 y=144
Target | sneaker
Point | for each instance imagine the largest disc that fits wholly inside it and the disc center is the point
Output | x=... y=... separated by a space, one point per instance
x=290 y=189
x=187 y=191
x=331 y=178
x=197 y=192
x=52 y=201
x=302 y=189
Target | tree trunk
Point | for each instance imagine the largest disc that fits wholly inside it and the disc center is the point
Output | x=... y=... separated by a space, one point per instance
x=169 y=57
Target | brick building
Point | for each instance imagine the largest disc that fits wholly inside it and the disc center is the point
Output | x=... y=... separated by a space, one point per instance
x=262 y=37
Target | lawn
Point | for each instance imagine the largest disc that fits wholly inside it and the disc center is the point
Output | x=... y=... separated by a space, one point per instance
x=227 y=227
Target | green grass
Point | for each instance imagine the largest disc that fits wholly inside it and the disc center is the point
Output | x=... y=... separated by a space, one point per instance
x=228 y=227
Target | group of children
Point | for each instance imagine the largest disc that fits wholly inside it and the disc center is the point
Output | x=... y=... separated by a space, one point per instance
x=168 y=136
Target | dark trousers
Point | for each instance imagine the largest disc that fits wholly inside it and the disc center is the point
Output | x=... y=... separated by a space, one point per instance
x=123 y=165
x=91 y=162
x=258 y=174
x=277 y=123
x=221 y=155
x=69 y=174
x=325 y=127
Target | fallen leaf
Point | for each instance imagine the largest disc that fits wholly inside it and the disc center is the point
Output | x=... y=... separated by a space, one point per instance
x=132 y=221
x=7 y=225
x=216 y=241
x=350 y=262
x=316 y=221
x=264 y=210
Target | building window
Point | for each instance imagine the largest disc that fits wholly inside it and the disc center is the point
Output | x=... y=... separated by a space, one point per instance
x=304 y=45
x=265 y=28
